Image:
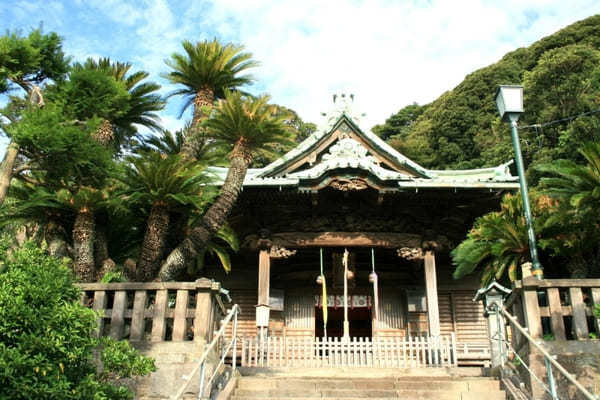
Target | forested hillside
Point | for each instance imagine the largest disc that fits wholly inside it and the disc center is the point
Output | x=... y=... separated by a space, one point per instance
x=461 y=129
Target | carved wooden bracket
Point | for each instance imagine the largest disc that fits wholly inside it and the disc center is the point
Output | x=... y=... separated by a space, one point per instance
x=410 y=253
x=347 y=185
x=281 y=252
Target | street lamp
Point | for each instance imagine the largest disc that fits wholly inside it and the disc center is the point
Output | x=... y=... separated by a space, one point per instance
x=509 y=100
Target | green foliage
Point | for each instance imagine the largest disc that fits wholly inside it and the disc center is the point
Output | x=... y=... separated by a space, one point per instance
x=208 y=65
x=61 y=148
x=120 y=360
x=113 y=277
x=572 y=229
x=250 y=121
x=498 y=242
x=46 y=335
x=579 y=185
x=218 y=247
x=91 y=93
x=300 y=130
x=29 y=60
x=399 y=124
x=152 y=177
x=142 y=100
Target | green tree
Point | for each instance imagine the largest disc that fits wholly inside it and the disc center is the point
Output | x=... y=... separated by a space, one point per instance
x=205 y=72
x=248 y=126
x=398 y=124
x=161 y=183
x=25 y=63
x=47 y=337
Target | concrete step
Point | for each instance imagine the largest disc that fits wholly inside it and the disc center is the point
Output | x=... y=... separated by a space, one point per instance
x=401 y=387
x=407 y=395
x=339 y=372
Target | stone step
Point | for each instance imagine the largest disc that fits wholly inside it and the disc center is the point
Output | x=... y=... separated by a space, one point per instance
x=480 y=384
x=368 y=394
x=339 y=372
x=338 y=386
x=401 y=395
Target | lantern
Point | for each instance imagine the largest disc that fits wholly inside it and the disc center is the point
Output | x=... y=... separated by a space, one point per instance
x=372 y=277
x=320 y=280
x=350 y=275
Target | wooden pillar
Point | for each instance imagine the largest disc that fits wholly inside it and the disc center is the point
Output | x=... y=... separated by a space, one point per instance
x=264 y=276
x=203 y=317
x=433 y=313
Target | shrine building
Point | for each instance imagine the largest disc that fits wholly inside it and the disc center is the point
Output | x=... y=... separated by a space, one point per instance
x=379 y=225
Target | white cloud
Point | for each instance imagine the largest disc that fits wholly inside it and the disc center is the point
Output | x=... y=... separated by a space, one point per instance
x=388 y=53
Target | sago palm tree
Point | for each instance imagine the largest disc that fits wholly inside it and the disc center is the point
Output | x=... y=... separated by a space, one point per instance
x=141 y=106
x=161 y=183
x=578 y=184
x=83 y=201
x=573 y=227
x=498 y=242
x=248 y=126
x=205 y=72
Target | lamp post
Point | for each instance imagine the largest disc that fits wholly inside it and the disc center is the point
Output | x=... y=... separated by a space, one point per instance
x=509 y=100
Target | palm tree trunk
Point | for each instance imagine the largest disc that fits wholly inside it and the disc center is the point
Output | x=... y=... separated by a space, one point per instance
x=105 y=134
x=205 y=98
x=83 y=245
x=7 y=168
x=155 y=239
x=215 y=216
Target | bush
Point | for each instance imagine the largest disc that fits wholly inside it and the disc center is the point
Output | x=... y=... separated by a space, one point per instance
x=47 y=339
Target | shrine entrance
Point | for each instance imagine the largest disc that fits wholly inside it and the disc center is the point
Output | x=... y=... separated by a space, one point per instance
x=360 y=322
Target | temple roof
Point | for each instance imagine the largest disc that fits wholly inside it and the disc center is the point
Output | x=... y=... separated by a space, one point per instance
x=342 y=155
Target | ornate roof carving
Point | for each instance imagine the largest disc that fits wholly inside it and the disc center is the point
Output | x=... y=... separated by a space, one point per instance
x=340 y=145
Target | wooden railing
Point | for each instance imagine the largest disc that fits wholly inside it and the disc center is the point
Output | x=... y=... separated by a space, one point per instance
x=156 y=311
x=355 y=352
x=559 y=308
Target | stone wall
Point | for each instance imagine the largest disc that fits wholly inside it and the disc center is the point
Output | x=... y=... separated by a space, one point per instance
x=580 y=358
x=173 y=361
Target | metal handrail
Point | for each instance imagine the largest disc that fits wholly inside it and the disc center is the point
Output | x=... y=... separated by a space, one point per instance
x=548 y=359
x=201 y=365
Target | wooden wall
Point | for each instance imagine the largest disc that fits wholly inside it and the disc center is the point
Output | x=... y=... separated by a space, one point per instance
x=461 y=315
x=299 y=314
x=391 y=313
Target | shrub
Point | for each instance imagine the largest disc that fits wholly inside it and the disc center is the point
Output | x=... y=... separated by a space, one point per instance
x=47 y=341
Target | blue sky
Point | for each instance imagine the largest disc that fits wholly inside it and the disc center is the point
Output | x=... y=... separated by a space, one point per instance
x=388 y=53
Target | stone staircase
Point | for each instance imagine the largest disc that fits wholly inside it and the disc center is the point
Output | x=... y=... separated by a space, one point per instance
x=348 y=385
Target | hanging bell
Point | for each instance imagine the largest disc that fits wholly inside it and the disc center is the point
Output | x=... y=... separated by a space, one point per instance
x=350 y=275
x=320 y=280
x=372 y=277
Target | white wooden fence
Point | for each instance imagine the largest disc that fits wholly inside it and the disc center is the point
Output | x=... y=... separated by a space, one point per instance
x=393 y=352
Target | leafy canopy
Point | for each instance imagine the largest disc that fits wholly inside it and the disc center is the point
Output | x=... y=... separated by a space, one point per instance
x=31 y=59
